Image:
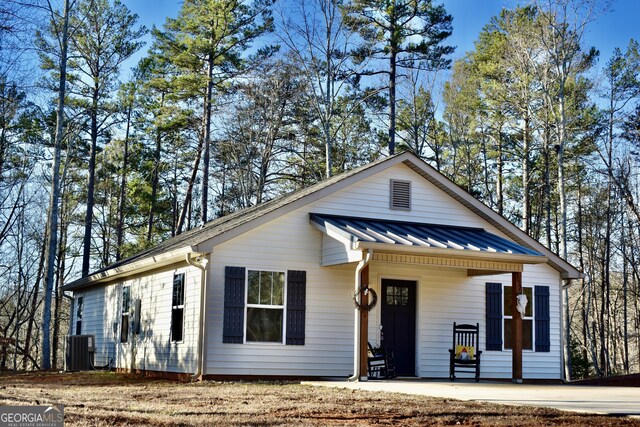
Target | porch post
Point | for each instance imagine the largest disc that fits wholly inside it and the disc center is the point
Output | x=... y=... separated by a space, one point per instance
x=364 y=325
x=516 y=329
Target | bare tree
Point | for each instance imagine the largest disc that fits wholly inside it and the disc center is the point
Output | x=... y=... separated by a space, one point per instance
x=61 y=33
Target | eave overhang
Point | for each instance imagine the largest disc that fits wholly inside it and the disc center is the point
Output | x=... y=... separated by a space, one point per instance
x=128 y=269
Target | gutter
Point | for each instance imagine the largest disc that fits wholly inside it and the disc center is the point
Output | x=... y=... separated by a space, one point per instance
x=200 y=263
x=356 y=350
x=139 y=266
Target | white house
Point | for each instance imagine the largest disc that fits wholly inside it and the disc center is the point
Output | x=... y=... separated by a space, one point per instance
x=269 y=291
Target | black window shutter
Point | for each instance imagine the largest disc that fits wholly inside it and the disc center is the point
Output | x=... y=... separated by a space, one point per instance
x=494 y=316
x=296 y=306
x=233 y=324
x=542 y=319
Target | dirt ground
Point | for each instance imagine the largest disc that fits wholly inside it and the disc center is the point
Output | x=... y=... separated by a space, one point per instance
x=109 y=399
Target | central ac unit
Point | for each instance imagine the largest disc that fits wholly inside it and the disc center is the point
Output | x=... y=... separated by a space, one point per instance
x=79 y=352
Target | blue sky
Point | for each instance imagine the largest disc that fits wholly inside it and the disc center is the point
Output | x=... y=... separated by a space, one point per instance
x=611 y=30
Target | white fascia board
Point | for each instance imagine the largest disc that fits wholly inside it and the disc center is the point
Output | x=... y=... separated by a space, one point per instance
x=140 y=266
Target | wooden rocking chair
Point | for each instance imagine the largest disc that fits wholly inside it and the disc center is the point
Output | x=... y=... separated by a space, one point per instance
x=380 y=363
x=464 y=355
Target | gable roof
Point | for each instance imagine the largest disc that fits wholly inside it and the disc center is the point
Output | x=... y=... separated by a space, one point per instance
x=232 y=225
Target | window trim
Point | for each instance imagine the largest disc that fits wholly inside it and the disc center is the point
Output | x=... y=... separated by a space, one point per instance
x=532 y=318
x=282 y=307
x=179 y=306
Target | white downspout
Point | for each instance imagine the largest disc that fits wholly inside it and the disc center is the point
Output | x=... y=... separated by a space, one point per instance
x=564 y=315
x=201 y=264
x=356 y=333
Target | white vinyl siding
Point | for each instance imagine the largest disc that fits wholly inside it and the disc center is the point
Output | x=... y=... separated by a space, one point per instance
x=152 y=348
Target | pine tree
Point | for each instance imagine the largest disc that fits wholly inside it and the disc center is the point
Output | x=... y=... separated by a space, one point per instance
x=104 y=36
x=406 y=33
x=207 y=44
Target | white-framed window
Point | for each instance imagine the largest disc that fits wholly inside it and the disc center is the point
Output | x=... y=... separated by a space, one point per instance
x=124 y=318
x=265 y=306
x=177 y=308
x=527 y=320
x=79 y=312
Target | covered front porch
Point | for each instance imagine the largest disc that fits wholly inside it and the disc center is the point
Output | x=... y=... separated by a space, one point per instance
x=438 y=270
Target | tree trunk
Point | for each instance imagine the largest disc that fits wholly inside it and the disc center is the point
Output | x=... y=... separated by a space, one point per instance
x=155 y=177
x=547 y=185
x=91 y=182
x=625 y=284
x=328 y=102
x=500 y=177
x=526 y=220
x=583 y=306
x=60 y=268
x=206 y=136
x=35 y=293
x=123 y=188
x=52 y=235
x=392 y=99
x=186 y=206
x=561 y=178
x=56 y=323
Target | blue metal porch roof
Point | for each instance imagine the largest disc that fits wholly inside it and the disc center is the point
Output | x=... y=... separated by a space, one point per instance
x=424 y=235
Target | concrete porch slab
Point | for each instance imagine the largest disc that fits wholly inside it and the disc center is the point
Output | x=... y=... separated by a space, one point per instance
x=620 y=401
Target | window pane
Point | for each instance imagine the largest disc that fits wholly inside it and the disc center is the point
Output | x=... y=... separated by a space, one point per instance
x=265 y=287
x=79 y=308
x=528 y=312
x=177 y=318
x=507 y=301
x=397 y=295
x=264 y=324
x=527 y=334
x=178 y=290
x=278 y=289
x=253 y=296
x=390 y=297
x=124 y=328
x=125 y=299
x=403 y=296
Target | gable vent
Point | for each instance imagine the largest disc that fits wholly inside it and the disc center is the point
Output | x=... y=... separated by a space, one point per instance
x=400 y=195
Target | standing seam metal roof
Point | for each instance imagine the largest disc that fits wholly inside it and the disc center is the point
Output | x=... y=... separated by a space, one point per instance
x=421 y=234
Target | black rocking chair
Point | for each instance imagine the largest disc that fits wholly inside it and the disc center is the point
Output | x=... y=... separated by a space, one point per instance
x=465 y=356
x=380 y=363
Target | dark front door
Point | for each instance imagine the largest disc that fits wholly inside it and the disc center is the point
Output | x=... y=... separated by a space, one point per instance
x=399 y=323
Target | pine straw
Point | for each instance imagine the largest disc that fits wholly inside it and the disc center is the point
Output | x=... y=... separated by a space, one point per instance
x=109 y=399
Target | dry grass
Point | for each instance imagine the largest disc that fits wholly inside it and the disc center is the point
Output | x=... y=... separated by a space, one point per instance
x=101 y=399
